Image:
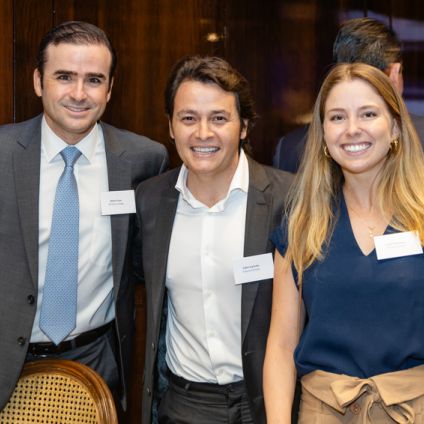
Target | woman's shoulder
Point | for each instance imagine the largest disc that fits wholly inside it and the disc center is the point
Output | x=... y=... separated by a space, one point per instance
x=280 y=236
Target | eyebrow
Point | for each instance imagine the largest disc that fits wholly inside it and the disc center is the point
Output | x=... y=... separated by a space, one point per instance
x=338 y=109
x=89 y=74
x=335 y=109
x=184 y=111
x=194 y=112
x=225 y=112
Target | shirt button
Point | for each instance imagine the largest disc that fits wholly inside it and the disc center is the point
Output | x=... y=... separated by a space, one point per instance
x=153 y=346
x=30 y=299
x=355 y=408
x=148 y=391
x=21 y=341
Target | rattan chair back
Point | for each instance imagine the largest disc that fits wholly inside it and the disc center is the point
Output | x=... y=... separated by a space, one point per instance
x=59 y=392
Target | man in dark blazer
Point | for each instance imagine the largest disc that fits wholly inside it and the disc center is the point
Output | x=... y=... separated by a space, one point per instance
x=359 y=40
x=206 y=335
x=74 y=78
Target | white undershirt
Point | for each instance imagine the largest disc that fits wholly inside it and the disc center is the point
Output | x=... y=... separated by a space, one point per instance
x=95 y=283
x=203 y=335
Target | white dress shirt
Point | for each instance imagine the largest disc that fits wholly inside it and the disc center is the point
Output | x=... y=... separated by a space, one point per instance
x=95 y=283
x=203 y=334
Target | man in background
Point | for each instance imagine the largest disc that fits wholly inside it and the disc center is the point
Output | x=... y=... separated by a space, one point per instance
x=65 y=287
x=359 y=40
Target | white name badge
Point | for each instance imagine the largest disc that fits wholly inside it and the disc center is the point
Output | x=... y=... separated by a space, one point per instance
x=253 y=268
x=117 y=202
x=397 y=245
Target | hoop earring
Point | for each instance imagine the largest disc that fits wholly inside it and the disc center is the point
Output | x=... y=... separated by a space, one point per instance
x=394 y=145
x=326 y=152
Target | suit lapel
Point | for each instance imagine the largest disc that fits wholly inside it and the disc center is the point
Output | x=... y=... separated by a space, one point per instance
x=258 y=213
x=119 y=176
x=26 y=165
x=161 y=240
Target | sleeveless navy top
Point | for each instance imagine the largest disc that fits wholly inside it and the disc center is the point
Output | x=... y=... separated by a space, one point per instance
x=364 y=316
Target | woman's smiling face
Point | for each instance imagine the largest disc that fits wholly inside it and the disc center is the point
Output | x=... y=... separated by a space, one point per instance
x=358 y=127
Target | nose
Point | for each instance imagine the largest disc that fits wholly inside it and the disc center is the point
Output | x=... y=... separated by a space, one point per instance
x=353 y=127
x=78 y=91
x=203 y=130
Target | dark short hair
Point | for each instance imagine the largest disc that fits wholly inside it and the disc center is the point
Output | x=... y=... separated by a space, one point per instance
x=368 y=41
x=211 y=70
x=75 y=32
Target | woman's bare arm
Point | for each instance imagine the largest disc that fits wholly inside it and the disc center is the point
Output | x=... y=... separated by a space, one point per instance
x=279 y=368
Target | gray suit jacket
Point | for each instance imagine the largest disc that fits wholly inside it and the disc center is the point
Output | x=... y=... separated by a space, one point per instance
x=156 y=201
x=130 y=159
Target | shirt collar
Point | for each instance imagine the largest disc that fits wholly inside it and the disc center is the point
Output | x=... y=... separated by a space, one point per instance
x=52 y=144
x=240 y=182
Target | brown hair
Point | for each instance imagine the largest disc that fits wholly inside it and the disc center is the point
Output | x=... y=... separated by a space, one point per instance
x=319 y=181
x=75 y=32
x=209 y=69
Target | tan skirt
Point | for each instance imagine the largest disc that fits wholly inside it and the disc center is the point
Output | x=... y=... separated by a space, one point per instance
x=396 y=397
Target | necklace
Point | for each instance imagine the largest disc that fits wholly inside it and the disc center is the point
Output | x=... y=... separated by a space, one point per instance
x=370 y=228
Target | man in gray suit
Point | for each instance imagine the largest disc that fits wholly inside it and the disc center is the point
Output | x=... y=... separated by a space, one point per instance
x=74 y=78
x=202 y=229
x=364 y=40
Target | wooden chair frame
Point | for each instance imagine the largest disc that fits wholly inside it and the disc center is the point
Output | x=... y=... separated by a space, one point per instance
x=92 y=386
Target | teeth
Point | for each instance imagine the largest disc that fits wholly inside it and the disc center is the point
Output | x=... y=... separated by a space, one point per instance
x=356 y=147
x=205 y=149
x=77 y=109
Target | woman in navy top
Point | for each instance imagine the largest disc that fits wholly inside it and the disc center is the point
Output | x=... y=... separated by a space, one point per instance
x=351 y=245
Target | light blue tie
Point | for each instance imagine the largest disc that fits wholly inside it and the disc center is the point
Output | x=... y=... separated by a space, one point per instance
x=59 y=304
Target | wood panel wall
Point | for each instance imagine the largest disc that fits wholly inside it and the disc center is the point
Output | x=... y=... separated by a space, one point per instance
x=6 y=68
x=282 y=46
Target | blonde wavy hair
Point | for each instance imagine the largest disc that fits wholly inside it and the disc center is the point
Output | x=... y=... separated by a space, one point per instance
x=318 y=184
